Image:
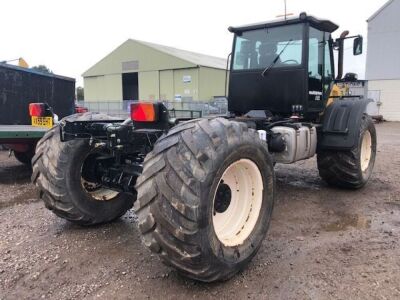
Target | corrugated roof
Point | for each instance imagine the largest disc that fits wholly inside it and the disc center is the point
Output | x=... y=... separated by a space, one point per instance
x=193 y=57
x=380 y=10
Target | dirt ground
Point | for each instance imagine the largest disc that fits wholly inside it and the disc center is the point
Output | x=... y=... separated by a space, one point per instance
x=323 y=243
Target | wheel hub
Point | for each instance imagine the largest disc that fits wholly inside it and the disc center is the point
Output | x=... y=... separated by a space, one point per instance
x=90 y=182
x=222 y=198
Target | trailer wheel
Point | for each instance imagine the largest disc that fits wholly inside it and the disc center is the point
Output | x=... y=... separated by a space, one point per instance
x=25 y=157
x=59 y=172
x=352 y=168
x=205 y=197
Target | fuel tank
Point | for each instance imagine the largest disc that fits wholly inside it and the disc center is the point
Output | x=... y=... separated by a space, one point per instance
x=300 y=143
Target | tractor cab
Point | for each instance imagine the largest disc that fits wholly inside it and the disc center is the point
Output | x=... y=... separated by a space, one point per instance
x=284 y=67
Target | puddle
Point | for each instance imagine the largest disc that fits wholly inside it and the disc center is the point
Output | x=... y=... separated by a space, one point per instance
x=346 y=221
x=303 y=184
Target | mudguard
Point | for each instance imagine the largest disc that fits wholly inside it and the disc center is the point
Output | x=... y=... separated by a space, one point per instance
x=341 y=124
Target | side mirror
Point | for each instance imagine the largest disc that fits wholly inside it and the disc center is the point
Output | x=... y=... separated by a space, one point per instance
x=358 y=45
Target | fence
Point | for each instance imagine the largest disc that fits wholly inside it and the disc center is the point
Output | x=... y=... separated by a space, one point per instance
x=177 y=109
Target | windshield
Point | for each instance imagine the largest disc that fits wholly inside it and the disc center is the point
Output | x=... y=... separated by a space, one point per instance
x=257 y=49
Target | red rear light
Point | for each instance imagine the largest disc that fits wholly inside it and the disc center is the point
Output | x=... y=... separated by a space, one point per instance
x=81 y=109
x=143 y=112
x=37 y=109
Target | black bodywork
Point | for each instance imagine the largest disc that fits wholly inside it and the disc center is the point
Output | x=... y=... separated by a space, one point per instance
x=21 y=86
x=281 y=97
x=284 y=87
x=341 y=123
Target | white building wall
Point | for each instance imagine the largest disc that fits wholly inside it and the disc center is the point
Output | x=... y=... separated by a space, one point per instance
x=103 y=88
x=389 y=98
x=383 y=59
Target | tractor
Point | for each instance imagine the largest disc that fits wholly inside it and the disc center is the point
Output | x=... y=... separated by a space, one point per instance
x=204 y=189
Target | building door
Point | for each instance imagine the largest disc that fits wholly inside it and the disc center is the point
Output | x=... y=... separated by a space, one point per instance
x=130 y=86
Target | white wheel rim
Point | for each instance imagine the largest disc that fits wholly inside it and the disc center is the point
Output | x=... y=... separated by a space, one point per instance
x=366 y=150
x=233 y=225
x=98 y=193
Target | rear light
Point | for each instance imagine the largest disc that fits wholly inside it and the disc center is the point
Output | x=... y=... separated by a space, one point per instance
x=81 y=109
x=143 y=112
x=37 y=109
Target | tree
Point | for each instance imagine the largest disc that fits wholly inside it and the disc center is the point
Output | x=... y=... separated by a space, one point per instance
x=42 y=68
x=80 y=93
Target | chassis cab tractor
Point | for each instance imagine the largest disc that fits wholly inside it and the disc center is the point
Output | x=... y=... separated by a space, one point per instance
x=203 y=189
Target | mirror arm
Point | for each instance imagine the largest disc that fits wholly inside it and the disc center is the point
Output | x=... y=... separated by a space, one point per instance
x=340 y=43
x=347 y=37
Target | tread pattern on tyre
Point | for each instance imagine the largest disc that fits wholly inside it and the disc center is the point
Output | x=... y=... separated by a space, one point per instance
x=48 y=174
x=341 y=168
x=168 y=203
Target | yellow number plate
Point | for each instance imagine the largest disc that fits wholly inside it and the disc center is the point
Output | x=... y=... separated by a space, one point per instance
x=42 y=122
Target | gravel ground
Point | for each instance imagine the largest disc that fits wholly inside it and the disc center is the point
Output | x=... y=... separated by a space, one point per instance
x=323 y=243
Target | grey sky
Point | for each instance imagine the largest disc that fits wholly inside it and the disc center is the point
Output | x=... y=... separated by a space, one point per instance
x=70 y=36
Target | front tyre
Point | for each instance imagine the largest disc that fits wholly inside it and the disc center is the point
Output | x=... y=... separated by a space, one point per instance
x=205 y=198
x=351 y=168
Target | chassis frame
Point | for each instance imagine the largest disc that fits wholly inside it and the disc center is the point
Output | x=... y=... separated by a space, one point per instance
x=122 y=145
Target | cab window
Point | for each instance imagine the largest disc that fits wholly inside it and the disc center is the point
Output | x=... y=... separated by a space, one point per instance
x=320 y=71
x=257 y=49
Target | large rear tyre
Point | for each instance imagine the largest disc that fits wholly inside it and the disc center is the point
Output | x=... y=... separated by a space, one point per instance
x=351 y=168
x=205 y=198
x=59 y=170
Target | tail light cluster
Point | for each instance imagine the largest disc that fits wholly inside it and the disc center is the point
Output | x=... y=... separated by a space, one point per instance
x=38 y=109
x=81 y=109
x=144 y=112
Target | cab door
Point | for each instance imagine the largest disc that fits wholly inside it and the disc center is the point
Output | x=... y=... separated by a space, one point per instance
x=320 y=71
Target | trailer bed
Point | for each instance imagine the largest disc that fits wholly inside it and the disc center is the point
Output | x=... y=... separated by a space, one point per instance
x=16 y=132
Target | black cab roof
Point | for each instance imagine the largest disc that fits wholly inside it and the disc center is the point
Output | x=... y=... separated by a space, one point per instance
x=323 y=25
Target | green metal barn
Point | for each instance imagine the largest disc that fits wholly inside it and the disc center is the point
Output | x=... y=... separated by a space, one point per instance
x=138 y=70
